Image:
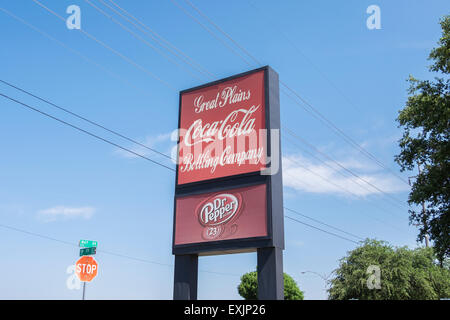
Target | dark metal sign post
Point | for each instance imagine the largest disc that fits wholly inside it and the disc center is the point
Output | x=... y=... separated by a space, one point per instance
x=269 y=248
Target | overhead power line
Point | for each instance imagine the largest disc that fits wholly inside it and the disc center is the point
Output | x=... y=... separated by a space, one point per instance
x=89 y=120
x=85 y=119
x=86 y=132
x=229 y=37
x=311 y=109
x=393 y=199
x=318 y=115
x=141 y=39
x=118 y=146
x=158 y=38
x=327 y=232
x=273 y=24
x=34 y=234
x=346 y=190
x=209 y=31
x=323 y=223
x=103 y=127
x=76 y=52
x=122 y=56
x=223 y=32
x=113 y=75
x=374 y=203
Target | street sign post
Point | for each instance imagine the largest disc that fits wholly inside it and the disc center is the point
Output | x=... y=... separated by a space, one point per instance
x=86 y=267
x=88 y=243
x=88 y=251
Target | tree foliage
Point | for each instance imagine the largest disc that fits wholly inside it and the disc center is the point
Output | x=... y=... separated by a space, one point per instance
x=405 y=274
x=248 y=288
x=425 y=142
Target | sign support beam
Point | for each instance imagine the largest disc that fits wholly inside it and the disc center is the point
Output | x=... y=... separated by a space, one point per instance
x=186 y=277
x=84 y=290
x=270 y=274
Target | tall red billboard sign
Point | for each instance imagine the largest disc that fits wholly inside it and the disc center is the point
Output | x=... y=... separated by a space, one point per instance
x=222 y=201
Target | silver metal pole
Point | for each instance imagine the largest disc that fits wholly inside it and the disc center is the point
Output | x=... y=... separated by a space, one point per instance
x=84 y=289
x=423 y=214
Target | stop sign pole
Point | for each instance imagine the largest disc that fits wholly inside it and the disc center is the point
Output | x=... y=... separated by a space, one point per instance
x=86 y=267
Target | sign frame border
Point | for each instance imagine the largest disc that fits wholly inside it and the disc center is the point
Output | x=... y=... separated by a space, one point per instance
x=274 y=186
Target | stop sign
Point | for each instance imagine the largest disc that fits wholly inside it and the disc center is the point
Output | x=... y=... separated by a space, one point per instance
x=86 y=268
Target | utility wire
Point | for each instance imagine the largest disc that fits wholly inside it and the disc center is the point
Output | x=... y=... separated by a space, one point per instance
x=158 y=38
x=393 y=199
x=323 y=223
x=327 y=180
x=220 y=31
x=243 y=49
x=209 y=31
x=88 y=60
x=374 y=203
x=114 y=144
x=330 y=233
x=274 y=23
x=326 y=164
x=223 y=32
x=314 y=111
x=34 y=234
x=347 y=177
x=148 y=44
x=120 y=135
x=130 y=61
x=164 y=154
x=72 y=50
x=85 y=131
x=321 y=117
x=85 y=119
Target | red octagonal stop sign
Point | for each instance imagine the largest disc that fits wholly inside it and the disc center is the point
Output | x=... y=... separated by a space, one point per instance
x=86 y=268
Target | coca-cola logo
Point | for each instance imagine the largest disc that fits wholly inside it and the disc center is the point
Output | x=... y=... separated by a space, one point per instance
x=216 y=214
x=231 y=126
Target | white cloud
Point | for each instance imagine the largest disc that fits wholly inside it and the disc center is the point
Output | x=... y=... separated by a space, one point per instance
x=62 y=212
x=302 y=174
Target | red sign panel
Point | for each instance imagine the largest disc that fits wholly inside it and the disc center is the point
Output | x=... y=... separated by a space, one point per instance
x=220 y=129
x=229 y=214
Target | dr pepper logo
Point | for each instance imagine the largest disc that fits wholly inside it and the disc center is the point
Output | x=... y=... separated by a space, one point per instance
x=217 y=213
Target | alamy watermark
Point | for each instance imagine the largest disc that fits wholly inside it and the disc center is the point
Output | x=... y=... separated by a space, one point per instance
x=374 y=279
x=74 y=20
x=72 y=282
x=374 y=20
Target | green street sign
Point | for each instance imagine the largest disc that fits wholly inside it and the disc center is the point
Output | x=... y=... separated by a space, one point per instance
x=88 y=251
x=88 y=243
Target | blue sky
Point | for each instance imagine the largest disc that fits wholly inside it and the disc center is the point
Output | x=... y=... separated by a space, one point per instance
x=63 y=184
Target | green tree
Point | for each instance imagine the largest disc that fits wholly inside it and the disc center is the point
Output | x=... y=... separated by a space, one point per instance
x=248 y=287
x=425 y=142
x=405 y=274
